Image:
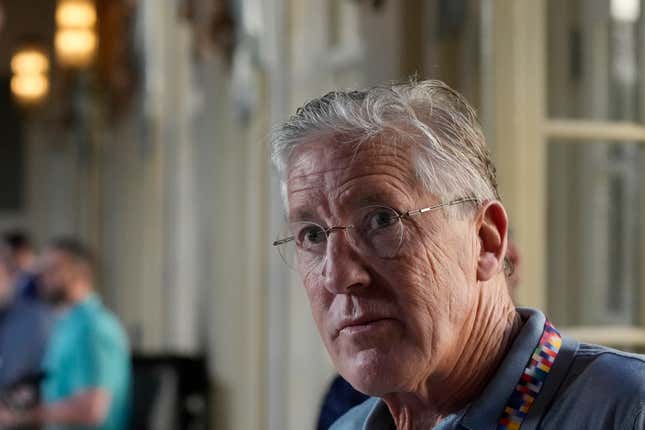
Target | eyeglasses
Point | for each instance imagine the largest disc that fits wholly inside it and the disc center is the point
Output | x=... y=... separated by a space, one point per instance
x=373 y=230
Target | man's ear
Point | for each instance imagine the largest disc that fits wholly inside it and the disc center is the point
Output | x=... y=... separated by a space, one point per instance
x=492 y=229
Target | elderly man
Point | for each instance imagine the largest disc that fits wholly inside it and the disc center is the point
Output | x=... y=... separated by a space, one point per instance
x=396 y=228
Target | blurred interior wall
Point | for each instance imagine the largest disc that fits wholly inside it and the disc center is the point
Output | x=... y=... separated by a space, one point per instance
x=180 y=202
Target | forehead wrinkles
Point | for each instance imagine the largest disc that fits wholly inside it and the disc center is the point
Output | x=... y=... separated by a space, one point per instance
x=390 y=175
x=333 y=168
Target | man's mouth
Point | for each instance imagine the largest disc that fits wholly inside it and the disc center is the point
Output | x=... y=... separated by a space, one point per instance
x=362 y=325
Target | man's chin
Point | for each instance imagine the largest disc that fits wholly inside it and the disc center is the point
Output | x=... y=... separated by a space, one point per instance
x=371 y=372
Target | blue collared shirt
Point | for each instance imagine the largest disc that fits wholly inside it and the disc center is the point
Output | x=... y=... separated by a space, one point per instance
x=24 y=330
x=589 y=387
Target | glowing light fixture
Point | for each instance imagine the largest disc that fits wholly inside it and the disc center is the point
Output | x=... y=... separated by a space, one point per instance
x=30 y=88
x=625 y=10
x=75 y=41
x=29 y=61
x=75 y=47
x=75 y=13
x=30 y=80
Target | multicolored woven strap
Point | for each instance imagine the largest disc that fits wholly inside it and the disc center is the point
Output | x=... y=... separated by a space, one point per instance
x=532 y=379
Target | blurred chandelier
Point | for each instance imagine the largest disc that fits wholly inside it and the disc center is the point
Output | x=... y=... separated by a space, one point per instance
x=75 y=41
x=30 y=80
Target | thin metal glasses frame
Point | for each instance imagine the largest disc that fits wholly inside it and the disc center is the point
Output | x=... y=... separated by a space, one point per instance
x=400 y=217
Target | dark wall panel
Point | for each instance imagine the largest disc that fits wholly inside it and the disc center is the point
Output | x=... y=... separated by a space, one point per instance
x=11 y=151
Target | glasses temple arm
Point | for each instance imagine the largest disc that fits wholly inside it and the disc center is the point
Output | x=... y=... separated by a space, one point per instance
x=440 y=205
x=283 y=241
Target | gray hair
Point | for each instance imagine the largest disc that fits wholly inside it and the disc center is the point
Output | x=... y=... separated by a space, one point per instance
x=451 y=159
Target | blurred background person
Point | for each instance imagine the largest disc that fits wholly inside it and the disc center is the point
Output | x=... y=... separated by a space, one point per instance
x=24 y=330
x=87 y=361
x=21 y=256
x=340 y=398
x=514 y=259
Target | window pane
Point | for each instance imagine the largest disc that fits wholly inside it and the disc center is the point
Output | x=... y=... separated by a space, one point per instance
x=594 y=233
x=594 y=59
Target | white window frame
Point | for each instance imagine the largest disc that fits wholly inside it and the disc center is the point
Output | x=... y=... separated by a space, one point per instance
x=522 y=131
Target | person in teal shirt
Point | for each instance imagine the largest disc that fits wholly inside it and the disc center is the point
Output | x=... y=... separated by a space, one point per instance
x=87 y=367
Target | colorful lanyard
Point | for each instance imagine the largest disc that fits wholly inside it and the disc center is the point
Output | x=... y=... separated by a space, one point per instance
x=532 y=379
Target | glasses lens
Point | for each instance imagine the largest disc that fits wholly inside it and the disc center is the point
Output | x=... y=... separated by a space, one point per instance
x=379 y=231
x=307 y=248
x=376 y=231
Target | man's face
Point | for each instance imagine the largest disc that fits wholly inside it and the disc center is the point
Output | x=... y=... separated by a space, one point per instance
x=24 y=258
x=58 y=272
x=388 y=323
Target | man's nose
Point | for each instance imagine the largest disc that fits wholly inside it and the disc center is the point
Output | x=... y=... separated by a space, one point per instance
x=344 y=268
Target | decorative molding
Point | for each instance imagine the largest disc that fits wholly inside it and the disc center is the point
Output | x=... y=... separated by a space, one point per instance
x=607 y=335
x=592 y=130
x=117 y=68
x=213 y=24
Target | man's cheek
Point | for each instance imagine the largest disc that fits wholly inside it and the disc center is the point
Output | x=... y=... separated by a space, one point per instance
x=418 y=293
x=418 y=286
x=320 y=313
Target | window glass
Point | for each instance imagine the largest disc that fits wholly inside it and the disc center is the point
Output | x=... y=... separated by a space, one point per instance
x=594 y=59
x=594 y=205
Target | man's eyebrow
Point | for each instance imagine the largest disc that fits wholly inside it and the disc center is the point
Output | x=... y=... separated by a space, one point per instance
x=373 y=198
x=364 y=199
x=301 y=214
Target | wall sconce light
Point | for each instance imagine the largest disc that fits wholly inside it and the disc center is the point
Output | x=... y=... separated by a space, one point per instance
x=30 y=80
x=625 y=10
x=75 y=40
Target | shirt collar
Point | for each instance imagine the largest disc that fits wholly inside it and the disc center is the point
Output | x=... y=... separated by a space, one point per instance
x=379 y=418
x=485 y=412
x=90 y=302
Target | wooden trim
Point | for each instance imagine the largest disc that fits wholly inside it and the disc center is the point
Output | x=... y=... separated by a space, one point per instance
x=605 y=131
x=607 y=335
x=520 y=152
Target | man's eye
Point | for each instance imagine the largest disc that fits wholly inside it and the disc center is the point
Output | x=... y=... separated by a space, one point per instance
x=381 y=219
x=311 y=235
